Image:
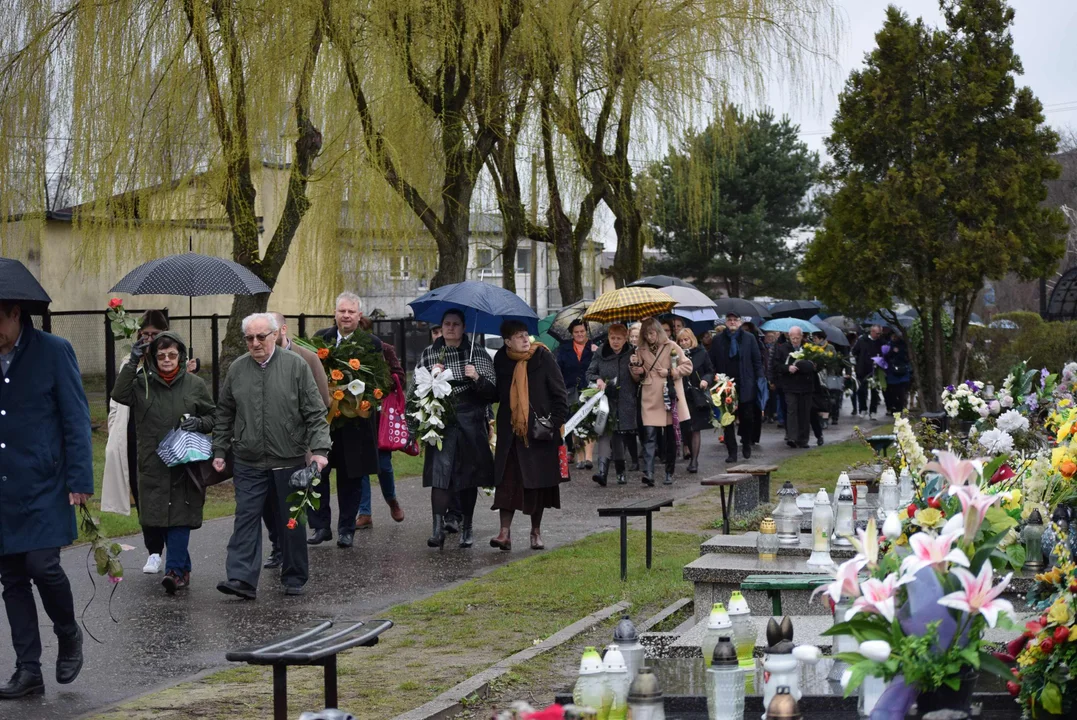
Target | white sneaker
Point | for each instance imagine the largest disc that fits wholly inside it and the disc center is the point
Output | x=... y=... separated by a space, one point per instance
x=872 y=417
x=153 y=564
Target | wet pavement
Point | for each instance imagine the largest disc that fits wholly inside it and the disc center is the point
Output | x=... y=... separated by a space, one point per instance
x=160 y=640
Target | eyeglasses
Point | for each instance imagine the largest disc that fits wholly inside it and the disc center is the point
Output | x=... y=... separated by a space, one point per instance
x=168 y=356
x=260 y=337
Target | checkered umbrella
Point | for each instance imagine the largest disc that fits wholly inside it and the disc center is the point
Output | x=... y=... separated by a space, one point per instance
x=629 y=304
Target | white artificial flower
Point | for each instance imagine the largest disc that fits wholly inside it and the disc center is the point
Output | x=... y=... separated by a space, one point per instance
x=996 y=441
x=357 y=387
x=1006 y=401
x=1012 y=421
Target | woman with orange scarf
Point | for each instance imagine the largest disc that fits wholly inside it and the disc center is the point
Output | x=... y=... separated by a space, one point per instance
x=527 y=465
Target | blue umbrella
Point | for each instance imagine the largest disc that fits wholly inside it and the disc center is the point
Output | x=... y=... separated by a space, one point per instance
x=784 y=325
x=484 y=306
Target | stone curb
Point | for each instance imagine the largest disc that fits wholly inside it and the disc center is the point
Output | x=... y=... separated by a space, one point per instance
x=450 y=702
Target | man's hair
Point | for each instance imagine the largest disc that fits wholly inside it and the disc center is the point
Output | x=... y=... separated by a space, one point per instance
x=154 y=318
x=877 y=327
x=511 y=327
x=457 y=313
x=797 y=328
x=281 y=320
x=267 y=317
x=350 y=297
x=8 y=306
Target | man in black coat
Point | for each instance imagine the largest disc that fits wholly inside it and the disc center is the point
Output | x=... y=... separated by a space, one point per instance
x=867 y=347
x=796 y=378
x=355 y=445
x=736 y=353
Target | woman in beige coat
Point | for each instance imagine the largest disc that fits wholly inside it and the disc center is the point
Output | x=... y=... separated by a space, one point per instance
x=660 y=364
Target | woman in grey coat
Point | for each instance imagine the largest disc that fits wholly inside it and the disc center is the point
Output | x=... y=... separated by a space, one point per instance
x=609 y=370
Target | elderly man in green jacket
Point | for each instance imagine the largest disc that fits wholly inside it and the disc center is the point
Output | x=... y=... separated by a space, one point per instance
x=269 y=415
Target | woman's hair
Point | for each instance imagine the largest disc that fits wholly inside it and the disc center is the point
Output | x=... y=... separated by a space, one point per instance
x=687 y=333
x=365 y=323
x=575 y=324
x=749 y=327
x=511 y=327
x=154 y=318
x=457 y=313
x=617 y=328
x=165 y=343
x=652 y=324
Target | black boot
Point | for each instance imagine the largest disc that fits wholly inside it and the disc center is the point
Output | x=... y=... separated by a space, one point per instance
x=69 y=658
x=621 y=479
x=437 y=540
x=603 y=471
x=746 y=450
x=452 y=523
x=467 y=537
x=669 y=478
x=693 y=464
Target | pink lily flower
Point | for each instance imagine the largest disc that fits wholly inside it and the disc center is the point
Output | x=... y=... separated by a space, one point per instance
x=956 y=471
x=974 y=506
x=878 y=596
x=932 y=551
x=845 y=582
x=977 y=595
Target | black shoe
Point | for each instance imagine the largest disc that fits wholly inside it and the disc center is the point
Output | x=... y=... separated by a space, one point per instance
x=649 y=482
x=802 y=447
x=24 y=682
x=818 y=441
x=780 y=426
x=634 y=467
x=587 y=465
x=790 y=443
x=746 y=450
x=345 y=540
x=321 y=535
x=669 y=478
x=69 y=658
x=276 y=559
x=603 y=472
x=693 y=466
x=437 y=540
x=621 y=479
x=238 y=588
x=452 y=524
x=580 y=465
x=467 y=535
x=731 y=459
x=295 y=589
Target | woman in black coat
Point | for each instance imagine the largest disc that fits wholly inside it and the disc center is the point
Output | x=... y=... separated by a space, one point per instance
x=527 y=470
x=696 y=388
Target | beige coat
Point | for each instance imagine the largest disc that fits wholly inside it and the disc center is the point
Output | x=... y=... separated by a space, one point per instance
x=652 y=406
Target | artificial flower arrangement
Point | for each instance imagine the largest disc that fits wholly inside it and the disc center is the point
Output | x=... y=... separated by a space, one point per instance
x=358 y=375
x=965 y=401
x=122 y=323
x=724 y=397
x=585 y=430
x=430 y=405
x=921 y=613
x=824 y=359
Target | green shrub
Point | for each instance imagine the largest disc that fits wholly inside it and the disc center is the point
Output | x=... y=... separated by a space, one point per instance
x=1023 y=318
x=1043 y=344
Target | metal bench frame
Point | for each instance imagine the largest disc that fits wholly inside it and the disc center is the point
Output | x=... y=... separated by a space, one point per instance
x=640 y=508
x=774 y=584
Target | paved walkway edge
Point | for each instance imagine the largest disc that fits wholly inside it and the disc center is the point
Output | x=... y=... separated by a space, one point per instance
x=450 y=702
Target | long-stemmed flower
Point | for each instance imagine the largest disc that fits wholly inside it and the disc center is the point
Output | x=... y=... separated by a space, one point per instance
x=932 y=551
x=866 y=544
x=845 y=581
x=977 y=596
x=974 y=506
x=878 y=596
x=952 y=467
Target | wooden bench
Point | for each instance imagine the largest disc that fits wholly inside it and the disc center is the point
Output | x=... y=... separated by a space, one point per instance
x=774 y=584
x=641 y=508
x=317 y=645
x=723 y=481
x=761 y=471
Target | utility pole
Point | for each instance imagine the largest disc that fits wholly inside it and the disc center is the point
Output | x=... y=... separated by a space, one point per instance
x=534 y=221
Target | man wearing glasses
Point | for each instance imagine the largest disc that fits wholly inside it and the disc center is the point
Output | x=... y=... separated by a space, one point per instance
x=269 y=415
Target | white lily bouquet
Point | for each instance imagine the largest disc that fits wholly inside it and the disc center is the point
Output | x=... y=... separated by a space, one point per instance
x=431 y=405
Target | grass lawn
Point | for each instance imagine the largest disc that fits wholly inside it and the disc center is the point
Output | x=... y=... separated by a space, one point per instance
x=820 y=466
x=441 y=641
x=220 y=500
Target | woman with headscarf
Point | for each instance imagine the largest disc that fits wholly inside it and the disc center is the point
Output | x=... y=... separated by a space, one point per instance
x=698 y=389
x=659 y=364
x=162 y=396
x=527 y=465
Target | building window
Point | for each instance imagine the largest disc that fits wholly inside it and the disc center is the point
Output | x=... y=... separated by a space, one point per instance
x=399 y=267
x=523 y=260
x=484 y=258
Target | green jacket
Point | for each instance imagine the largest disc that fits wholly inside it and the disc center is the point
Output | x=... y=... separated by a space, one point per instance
x=270 y=417
x=167 y=497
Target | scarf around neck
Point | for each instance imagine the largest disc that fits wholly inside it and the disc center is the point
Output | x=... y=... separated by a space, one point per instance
x=168 y=377
x=519 y=395
x=734 y=343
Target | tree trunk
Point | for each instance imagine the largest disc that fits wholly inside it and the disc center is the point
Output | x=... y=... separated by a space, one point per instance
x=628 y=224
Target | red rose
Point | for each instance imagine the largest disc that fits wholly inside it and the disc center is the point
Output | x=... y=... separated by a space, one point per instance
x=912 y=509
x=1033 y=628
x=1062 y=634
x=1047 y=645
x=292 y=524
x=115 y=303
x=1013 y=688
x=934 y=502
x=1073 y=587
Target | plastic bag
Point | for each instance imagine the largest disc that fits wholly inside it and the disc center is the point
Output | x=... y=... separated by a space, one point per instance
x=180 y=447
x=602 y=414
x=392 y=422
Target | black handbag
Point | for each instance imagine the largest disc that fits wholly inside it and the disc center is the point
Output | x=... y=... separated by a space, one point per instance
x=541 y=427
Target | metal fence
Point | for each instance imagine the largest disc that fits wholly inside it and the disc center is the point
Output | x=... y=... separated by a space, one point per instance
x=99 y=355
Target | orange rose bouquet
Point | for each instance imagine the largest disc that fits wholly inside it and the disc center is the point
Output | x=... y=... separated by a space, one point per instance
x=358 y=375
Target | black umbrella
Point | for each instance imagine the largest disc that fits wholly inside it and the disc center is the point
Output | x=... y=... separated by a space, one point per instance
x=833 y=334
x=744 y=308
x=661 y=281
x=17 y=283
x=799 y=309
x=569 y=314
x=192 y=275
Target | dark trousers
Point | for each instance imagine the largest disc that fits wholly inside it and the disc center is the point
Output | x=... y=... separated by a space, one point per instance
x=862 y=396
x=244 y=562
x=269 y=519
x=42 y=567
x=836 y=398
x=349 y=495
x=817 y=424
x=748 y=427
x=178 y=559
x=897 y=397
x=652 y=438
x=798 y=416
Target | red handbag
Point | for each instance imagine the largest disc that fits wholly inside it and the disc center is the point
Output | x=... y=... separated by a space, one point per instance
x=392 y=423
x=562 y=456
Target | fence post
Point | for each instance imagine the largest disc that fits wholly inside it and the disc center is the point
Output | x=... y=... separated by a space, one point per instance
x=400 y=339
x=302 y=325
x=215 y=354
x=110 y=361
x=46 y=321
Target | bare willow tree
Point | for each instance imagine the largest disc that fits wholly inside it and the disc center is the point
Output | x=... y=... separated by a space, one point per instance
x=166 y=106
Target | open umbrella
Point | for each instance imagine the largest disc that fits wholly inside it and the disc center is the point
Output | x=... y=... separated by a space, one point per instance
x=692 y=305
x=193 y=275
x=18 y=283
x=802 y=309
x=570 y=314
x=833 y=334
x=784 y=325
x=842 y=322
x=661 y=281
x=629 y=304
x=744 y=308
x=484 y=306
